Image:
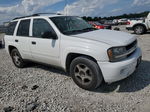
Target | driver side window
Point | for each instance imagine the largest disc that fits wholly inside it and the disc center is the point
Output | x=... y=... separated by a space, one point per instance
x=40 y=28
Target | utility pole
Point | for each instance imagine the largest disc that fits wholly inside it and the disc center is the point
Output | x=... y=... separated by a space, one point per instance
x=66 y=10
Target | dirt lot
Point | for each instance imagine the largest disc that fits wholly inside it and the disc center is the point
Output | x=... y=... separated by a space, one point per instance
x=41 y=88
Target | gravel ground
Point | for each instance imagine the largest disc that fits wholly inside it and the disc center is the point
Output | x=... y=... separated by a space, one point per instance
x=41 y=88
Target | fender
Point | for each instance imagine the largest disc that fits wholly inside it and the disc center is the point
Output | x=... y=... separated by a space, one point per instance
x=142 y=24
x=82 y=51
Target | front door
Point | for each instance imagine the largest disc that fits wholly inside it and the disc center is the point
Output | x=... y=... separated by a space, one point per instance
x=44 y=49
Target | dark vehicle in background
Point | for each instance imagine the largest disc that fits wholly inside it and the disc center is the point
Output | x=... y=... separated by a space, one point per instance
x=1 y=40
x=99 y=25
x=108 y=22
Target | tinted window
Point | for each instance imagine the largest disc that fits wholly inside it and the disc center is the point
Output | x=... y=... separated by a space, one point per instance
x=41 y=27
x=71 y=24
x=11 y=28
x=23 y=29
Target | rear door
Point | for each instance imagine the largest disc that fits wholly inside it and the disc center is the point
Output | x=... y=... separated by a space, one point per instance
x=44 y=49
x=9 y=36
x=22 y=38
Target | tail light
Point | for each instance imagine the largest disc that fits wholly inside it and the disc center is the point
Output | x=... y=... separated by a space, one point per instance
x=128 y=23
x=96 y=27
x=99 y=27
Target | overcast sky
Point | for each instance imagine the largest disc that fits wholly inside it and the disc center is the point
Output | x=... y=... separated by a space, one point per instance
x=12 y=8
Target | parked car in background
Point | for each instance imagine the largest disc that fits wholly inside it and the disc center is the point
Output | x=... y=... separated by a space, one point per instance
x=109 y=22
x=99 y=25
x=122 y=21
x=89 y=55
x=139 y=26
x=115 y=22
x=136 y=19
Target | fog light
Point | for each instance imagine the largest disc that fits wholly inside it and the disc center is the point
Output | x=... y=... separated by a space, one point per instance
x=124 y=71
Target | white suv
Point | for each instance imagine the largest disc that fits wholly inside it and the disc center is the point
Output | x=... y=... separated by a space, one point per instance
x=89 y=55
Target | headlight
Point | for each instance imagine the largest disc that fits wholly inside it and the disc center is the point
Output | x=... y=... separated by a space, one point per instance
x=116 y=53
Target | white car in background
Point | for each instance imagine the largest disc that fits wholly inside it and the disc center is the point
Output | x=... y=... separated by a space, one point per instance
x=139 y=26
x=122 y=21
x=89 y=55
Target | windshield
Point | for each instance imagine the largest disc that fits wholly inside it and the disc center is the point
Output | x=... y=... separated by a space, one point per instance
x=71 y=25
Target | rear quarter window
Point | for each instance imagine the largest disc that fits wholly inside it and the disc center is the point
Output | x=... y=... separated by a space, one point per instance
x=11 y=28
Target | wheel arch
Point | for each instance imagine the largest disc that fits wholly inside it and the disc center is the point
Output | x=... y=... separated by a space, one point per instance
x=71 y=56
x=140 y=24
x=10 y=48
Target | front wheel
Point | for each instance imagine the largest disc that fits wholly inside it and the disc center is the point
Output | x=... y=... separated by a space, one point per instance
x=139 y=29
x=86 y=73
x=17 y=59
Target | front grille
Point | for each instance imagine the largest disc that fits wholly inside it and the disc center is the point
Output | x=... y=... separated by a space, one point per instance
x=131 y=48
x=132 y=45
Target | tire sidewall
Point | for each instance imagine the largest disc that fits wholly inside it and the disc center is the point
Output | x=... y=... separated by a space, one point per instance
x=143 y=29
x=96 y=77
x=21 y=65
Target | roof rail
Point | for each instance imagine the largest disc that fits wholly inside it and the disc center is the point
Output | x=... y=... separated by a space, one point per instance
x=37 y=14
x=24 y=17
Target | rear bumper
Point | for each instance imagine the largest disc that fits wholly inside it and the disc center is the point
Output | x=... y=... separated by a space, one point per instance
x=113 y=72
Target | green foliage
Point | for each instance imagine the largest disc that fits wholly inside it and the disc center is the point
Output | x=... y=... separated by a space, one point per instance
x=132 y=15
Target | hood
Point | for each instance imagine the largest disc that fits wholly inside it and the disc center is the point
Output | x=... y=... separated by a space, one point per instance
x=111 y=37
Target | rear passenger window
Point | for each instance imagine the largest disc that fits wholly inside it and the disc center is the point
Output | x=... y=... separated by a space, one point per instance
x=11 y=28
x=23 y=29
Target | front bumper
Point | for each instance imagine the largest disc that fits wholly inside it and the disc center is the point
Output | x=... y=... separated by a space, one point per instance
x=116 y=71
x=129 y=28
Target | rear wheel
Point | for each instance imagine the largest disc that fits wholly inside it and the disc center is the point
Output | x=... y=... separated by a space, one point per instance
x=17 y=59
x=86 y=73
x=139 y=29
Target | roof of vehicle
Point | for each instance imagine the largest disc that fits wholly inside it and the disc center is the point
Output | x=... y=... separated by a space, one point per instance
x=39 y=14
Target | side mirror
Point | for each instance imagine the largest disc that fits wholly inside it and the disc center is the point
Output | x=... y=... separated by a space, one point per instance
x=50 y=35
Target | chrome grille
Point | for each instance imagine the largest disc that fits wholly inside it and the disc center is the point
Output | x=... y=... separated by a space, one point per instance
x=131 y=47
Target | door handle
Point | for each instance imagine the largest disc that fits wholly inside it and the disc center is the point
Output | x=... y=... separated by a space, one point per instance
x=33 y=42
x=16 y=40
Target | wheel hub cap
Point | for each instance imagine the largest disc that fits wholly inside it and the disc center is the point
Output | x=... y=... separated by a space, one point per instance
x=16 y=59
x=83 y=74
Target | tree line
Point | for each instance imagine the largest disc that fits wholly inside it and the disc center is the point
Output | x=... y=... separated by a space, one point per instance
x=132 y=15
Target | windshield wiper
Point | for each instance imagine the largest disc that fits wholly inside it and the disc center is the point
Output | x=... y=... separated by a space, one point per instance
x=73 y=31
x=80 y=31
x=89 y=29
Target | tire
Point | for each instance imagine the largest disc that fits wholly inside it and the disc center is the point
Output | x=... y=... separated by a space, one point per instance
x=86 y=73
x=0 y=44
x=17 y=59
x=139 y=29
